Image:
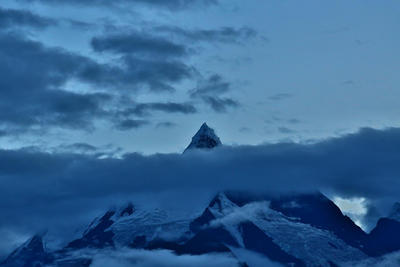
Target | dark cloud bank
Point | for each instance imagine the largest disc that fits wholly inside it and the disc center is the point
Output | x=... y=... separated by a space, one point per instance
x=41 y=190
x=146 y=61
x=169 y=4
x=212 y=91
x=10 y=17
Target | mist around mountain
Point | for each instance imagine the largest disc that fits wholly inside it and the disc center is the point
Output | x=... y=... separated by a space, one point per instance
x=284 y=223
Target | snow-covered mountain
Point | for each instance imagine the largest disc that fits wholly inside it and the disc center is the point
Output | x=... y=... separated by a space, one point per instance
x=133 y=227
x=261 y=225
x=290 y=230
x=297 y=230
x=205 y=138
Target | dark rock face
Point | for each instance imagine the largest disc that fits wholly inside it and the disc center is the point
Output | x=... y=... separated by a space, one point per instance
x=30 y=254
x=384 y=238
x=314 y=209
x=98 y=236
x=205 y=138
x=139 y=242
x=209 y=240
x=256 y=240
x=205 y=218
x=129 y=210
x=317 y=210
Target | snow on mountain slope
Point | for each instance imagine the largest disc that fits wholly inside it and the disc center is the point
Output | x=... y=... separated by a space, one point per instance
x=127 y=225
x=319 y=211
x=205 y=138
x=314 y=246
x=229 y=225
x=155 y=224
x=247 y=229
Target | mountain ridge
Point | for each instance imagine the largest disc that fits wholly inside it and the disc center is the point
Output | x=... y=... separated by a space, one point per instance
x=303 y=229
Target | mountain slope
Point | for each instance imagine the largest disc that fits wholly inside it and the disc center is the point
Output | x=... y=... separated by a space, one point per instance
x=292 y=229
x=283 y=230
x=299 y=241
x=384 y=238
x=30 y=254
x=205 y=138
x=129 y=226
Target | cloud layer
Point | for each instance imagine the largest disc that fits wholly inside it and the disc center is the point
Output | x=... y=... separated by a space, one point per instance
x=170 y=4
x=41 y=189
x=143 y=258
x=36 y=95
x=12 y=18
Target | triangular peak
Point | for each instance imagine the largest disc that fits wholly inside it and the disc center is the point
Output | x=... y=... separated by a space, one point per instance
x=33 y=250
x=205 y=138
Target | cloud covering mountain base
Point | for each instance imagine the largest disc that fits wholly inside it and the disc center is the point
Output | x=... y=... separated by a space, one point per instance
x=41 y=190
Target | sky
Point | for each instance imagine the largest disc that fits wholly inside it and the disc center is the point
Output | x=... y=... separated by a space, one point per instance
x=99 y=98
x=142 y=76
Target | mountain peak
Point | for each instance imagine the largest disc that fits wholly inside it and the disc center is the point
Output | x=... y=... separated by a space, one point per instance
x=30 y=253
x=205 y=138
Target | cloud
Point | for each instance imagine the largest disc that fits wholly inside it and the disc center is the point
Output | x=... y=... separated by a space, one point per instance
x=45 y=190
x=348 y=82
x=391 y=259
x=254 y=259
x=286 y=130
x=144 y=44
x=161 y=258
x=210 y=91
x=294 y=121
x=144 y=109
x=3 y=133
x=281 y=96
x=220 y=104
x=214 y=85
x=138 y=43
x=10 y=18
x=170 y=4
x=123 y=118
x=137 y=73
x=244 y=129
x=37 y=99
x=129 y=124
x=83 y=147
x=222 y=35
x=165 y=60
x=105 y=151
x=166 y=124
x=238 y=215
x=40 y=101
x=355 y=208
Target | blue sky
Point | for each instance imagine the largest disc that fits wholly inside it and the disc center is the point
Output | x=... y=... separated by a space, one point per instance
x=294 y=70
